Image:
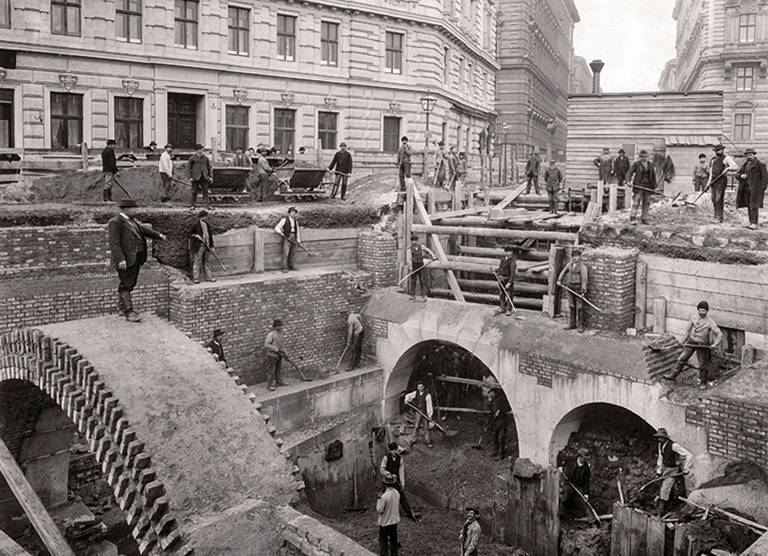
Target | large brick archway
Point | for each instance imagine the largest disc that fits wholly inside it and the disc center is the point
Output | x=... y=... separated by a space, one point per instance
x=72 y=383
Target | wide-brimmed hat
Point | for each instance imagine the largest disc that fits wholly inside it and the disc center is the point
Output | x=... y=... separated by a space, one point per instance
x=718 y=148
x=643 y=153
x=389 y=480
x=750 y=150
x=198 y=146
x=343 y=145
x=218 y=332
x=202 y=214
x=110 y=141
x=621 y=151
x=127 y=203
x=662 y=433
x=276 y=323
x=583 y=452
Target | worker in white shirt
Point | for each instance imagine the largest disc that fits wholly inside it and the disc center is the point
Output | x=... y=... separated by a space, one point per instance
x=421 y=400
x=669 y=466
x=355 y=336
x=288 y=229
x=166 y=172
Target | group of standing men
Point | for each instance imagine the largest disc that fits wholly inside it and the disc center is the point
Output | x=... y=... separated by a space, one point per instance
x=450 y=167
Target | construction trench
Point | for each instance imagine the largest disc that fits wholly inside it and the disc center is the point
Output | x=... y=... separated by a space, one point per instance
x=603 y=391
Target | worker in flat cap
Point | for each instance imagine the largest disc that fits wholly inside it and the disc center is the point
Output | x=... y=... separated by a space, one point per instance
x=702 y=336
x=108 y=170
x=505 y=275
x=341 y=165
x=753 y=179
x=128 y=248
x=669 y=466
x=719 y=168
x=275 y=349
x=201 y=173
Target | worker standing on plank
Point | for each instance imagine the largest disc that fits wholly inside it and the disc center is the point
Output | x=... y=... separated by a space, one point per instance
x=498 y=423
x=388 y=518
x=668 y=465
x=506 y=275
x=275 y=349
x=108 y=170
x=416 y=254
x=200 y=247
x=393 y=466
x=128 y=248
x=342 y=163
x=422 y=400
x=355 y=335
x=579 y=475
x=753 y=179
x=288 y=229
x=702 y=336
x=470 y=533
x=553 y=179
x=216 y=346
x=642 y=178
x=575 y=276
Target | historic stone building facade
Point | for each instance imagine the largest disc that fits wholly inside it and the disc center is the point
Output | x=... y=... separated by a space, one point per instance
x=723 y=45
x=535 y=48
x=245 y=72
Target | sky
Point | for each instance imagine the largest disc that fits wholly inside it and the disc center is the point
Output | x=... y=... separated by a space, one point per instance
x=634 y=38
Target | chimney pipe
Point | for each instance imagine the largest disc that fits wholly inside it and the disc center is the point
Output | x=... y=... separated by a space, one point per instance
x=596 y=66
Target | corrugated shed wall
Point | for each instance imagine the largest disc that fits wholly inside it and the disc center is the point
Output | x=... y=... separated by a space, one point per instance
x=642 y=119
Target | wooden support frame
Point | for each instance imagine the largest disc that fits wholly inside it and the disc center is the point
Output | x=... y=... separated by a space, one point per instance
x=501 y=205
x=641 y=294
x=8 y=546
x=470 y=381
x=29 y=500
x=496 y=232
x=416 y=201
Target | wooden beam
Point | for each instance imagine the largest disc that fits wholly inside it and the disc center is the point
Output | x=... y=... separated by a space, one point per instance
x=492 y=232
x=660 y=315
x=470 y=381
x=462 y=410
x=613 y=197
x=469 y=211
x=514 y=194
x=497 y=252
x=493 y=285
x=438 y=247
x=8 y=546
x=461 y=266
x=407 y=225
x=641 y=294
x=29 y=500
x=492 y=298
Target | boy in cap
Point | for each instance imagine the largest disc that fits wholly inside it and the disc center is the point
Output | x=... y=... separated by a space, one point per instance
x=753 y=179
x=275 y=349
x=388 y=516
x=216 y=346
x=128 y=247
x=108 y=170
x=200 y=247
x=701 y=174
x=642 y=178
x=701 y=337
x=719 y=167
x=201 y=174
x=342 y=163
x=668 y=465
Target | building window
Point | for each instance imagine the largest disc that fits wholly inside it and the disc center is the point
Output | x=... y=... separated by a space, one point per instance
x=745 y=78
x=468 y=87
x=129 y=122
x=733 y=340
x=391 y=135
x=444 y=133
x=742 y=127
x=128 y=20
x=285 y=129
x=446 y=65
x=329 y=43
x=5 y=13
x=185 y=23
x=66 y=120
x=65 y=17
x=6 y=118
x=462 y=74
x=286 y=37
x=393 y=52
x=747 y=28
x=327 y=129
x=239 y=30
x=237 y=127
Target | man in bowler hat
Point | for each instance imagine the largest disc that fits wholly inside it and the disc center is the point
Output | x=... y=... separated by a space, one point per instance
x=201 y=173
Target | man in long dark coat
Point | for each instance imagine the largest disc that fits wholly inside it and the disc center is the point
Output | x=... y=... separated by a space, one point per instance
x=753 y=179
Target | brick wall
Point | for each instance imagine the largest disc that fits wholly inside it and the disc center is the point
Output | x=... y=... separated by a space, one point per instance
x=377 y=254
x=53 y=247
x=611 y=287
x=309 y=305
x=735 y=430
x=26 y=303
x=545 y=369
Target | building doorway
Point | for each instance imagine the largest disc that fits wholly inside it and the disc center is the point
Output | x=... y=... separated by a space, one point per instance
x=6 y=118
x=182 y=120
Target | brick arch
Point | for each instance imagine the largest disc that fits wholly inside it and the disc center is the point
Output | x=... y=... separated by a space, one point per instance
x=63 y=374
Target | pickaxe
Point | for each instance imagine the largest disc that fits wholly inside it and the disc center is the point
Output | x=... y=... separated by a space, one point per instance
x=295 y=366
x=709 y=184
x=583 y=498
x=582 y=297
x=411 y=273
x=289 y=240
x=211 y=251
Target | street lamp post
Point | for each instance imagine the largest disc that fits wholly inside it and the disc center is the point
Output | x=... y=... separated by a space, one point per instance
x=428 y=103
x=504 y=128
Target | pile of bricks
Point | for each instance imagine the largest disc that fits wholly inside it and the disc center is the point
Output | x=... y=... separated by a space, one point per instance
x=611 y=287
x=377 y=254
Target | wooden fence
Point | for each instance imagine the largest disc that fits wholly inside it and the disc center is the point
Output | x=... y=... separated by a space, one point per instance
x=258 y=249
x=533 y=521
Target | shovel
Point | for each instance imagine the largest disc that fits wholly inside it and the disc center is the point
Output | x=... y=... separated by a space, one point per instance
x=447 y=433
x=479 y=444
x=301 y=374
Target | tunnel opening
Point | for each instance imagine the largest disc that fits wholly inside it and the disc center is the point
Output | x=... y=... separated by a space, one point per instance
x=60 y=467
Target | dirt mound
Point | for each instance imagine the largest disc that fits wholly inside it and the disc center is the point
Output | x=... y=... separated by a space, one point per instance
x=586 y=541
x=720 y=533
x=738 y=472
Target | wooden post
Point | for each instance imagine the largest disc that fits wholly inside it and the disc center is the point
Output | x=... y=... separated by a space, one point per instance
x=613 y=197
x=431 y=202
x=660 y=315
x=627 y=197
x=641 y=294
x=407 y=224
x=8 y=546
x=458 y=189
x=549 y=306
x=258 y=251
x=600 y=193
x=32 y=505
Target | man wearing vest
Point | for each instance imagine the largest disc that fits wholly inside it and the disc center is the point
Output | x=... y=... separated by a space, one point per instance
x=392 y=465
x=275 y=349
x=200 y=247
x=702 y=336
x=288 y=229
x=388 y=518
x=642 y=178
x=719 y=167
x=575 y=276
x=668 y=465
x=506 y=274
x=470 y=533
x=215 y=345
x=416 y=255
x=422 y=400
x=604 y=164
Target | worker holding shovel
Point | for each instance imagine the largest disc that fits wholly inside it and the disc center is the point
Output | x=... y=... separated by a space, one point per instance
x=419 y=273
x=421 y=400
x=719 y=167
x=275 y=348
x=669 y=467
x=702 y=336
x=574 y=279
x=341 y=165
